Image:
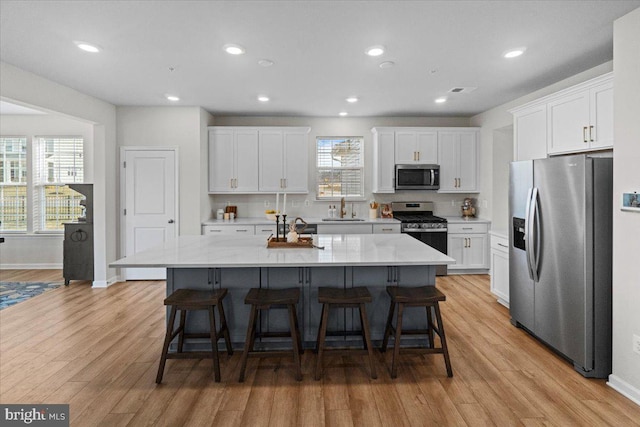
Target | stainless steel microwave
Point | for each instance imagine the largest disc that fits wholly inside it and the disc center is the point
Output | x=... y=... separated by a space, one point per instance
x=417 y=177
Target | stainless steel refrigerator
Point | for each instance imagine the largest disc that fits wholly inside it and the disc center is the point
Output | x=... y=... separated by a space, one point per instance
x=560 y=249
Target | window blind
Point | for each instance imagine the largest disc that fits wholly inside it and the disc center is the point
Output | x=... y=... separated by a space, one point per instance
x=339 y=165
x=13 y=183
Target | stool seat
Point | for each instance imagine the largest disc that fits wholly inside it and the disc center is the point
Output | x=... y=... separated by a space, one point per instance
x=184 y=300
x=263 y=297
x=357 y=295
x=424 y=296
x=195 y=298
x=421 y=295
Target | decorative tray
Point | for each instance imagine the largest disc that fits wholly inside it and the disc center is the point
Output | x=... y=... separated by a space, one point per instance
x=303 y=242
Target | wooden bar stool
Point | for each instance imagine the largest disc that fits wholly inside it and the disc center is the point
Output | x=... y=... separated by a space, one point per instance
x=265 y=299
x=190 y=299
x=344 y=298
x=425 y=296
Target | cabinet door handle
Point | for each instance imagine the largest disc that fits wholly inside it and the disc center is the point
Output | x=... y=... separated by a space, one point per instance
x=387 y=229
x=590 y=133
x=241 y=231
x=215 y=231
x=286 y=184
x=467 y=228
x=230 y=182
x=584 y=134
x=504 y=246
x=417 y=152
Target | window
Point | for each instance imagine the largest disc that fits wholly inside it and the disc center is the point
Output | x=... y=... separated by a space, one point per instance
x=339 y=167
x=33 y=178
x=57 y=162
x=13 y=183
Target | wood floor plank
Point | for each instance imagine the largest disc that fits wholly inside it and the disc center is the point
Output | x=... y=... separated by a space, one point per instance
x=98 y=350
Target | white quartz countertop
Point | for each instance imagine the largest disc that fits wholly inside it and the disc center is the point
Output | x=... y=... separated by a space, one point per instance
x=314 y=220
x=251 y=251
x=461 y=220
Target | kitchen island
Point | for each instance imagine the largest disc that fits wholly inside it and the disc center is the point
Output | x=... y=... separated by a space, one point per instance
x=241 y=263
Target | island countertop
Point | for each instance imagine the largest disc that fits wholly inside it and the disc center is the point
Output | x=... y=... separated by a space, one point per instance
x=252 y=251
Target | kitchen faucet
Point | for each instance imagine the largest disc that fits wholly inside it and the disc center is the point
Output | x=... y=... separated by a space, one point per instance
x=343 y=211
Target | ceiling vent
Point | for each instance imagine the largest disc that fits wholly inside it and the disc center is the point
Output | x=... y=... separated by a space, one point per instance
x=462 y=89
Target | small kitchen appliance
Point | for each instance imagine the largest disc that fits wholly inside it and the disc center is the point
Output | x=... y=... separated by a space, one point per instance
x=417 y=177
x=418 y=221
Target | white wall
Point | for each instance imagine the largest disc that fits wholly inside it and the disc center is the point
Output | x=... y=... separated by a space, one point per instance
x=626 y=225
x=253 y=205
x=499 y=118
x=37 y=250
x=178 y=127
x=22 y=87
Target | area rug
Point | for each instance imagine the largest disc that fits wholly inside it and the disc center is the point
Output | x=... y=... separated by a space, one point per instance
x=12 y=293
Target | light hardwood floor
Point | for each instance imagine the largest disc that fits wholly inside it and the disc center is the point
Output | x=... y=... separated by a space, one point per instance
x=98 y=350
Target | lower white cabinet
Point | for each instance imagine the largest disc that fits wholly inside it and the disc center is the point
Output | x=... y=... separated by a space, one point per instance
x=247 y=230
x=500 y=268
x=468 y=245
x=348 y=228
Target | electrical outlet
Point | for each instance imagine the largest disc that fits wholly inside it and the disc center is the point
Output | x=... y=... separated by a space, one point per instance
x=453 y=202
x=485 y=204
x=636 y=343
x=307 y=203
x=228 y=203
x=267 y=203
x=294 y=203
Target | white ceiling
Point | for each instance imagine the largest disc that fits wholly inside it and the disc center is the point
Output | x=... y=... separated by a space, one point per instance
x=317 y=48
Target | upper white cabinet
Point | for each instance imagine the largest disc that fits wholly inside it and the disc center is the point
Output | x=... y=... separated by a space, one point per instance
x=258 y=159
x=530 y=132
x=576 y=119
x=458 y=160
x=283 y=156
x=233 y=160
x=383 y=161
x=581 y=119
x=416 y=146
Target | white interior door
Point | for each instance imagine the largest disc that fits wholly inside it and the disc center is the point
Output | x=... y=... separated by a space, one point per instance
x=149 y=205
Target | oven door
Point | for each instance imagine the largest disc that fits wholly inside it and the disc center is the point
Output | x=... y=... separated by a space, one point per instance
x=435 y=239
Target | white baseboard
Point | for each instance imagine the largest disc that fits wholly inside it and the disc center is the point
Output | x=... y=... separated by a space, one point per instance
x=51 y=266
x=624 y=388
x=105 y=283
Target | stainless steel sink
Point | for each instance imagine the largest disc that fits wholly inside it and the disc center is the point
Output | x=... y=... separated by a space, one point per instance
x=342 y=219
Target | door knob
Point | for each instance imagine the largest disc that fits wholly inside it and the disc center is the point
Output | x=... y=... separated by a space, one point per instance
x=170 y=221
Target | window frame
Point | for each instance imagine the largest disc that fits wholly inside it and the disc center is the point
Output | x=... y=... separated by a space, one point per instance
x=360 y=168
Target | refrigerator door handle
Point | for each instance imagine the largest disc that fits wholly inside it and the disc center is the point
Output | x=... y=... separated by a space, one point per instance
x=535 y=244
x=527 y=234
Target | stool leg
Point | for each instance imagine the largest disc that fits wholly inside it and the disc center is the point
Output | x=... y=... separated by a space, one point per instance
x=396 y=348
x=293 y=321
x=364 y=320
x=214 y=344
x=445 y=351
x=224 y=329
x=248 y=343
x=165 y=346
x=299 y=335
x=387 y=329
x=430 y=327
x=322 y=332
x=183 y=316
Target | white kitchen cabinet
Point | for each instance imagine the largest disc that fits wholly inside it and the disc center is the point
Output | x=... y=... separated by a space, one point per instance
x=244 y=230
x=283 y=157
x=458 y=160
x=581 y=119
x=347 y=227
x=386 y=228
x=530 y=132
x=416 y=146
x=233 y=160
x=500 y=268
x=468 y=244
x=383 y=160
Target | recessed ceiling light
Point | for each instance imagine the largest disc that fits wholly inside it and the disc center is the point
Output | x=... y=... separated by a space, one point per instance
x=263 y=98
x=233 y=49
x=172 y=98
x=514 y=53
x=440 y=100
x=387 y=64
x=87 y=47
x=343 y=113
x=374 y=50
x=265 y=62
x=352 y=99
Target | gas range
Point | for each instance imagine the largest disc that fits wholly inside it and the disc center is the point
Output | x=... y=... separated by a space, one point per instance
x=418 y=217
